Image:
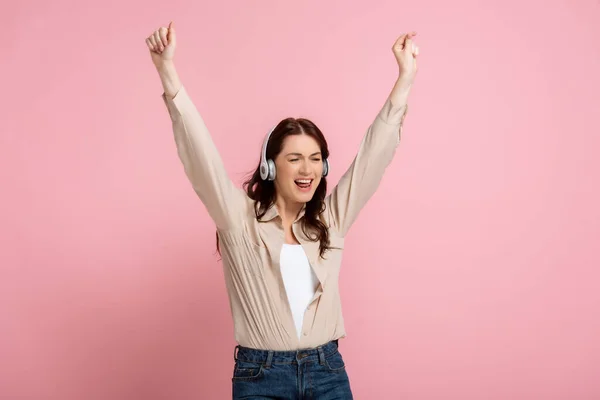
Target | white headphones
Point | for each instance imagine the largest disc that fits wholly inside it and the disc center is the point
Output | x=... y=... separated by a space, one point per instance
x=267 y=167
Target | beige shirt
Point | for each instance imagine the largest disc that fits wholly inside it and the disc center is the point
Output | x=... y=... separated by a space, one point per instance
x=250 y=249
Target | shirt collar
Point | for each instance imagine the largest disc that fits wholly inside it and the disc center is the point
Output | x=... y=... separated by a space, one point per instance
x=272 y=213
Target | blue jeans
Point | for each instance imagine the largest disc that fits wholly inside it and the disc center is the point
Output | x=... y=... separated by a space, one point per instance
x=311 y=374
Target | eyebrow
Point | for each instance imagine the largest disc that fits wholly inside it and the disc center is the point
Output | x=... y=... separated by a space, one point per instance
x=299 y=154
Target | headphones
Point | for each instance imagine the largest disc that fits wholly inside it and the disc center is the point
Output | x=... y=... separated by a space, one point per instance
x=267 y=167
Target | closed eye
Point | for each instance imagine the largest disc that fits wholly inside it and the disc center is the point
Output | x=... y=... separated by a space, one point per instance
x=316 y=156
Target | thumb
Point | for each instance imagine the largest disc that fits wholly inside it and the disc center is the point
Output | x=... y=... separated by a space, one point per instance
x=171 y=37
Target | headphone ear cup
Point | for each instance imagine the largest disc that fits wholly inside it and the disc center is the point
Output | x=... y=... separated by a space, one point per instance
x=272 y=170
x=264 y=170
x=325 y=167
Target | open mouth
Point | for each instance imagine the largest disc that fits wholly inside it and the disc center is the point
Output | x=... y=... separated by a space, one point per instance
x=304 y=184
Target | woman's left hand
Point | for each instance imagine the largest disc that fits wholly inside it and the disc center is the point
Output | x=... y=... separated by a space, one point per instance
x=406 y=51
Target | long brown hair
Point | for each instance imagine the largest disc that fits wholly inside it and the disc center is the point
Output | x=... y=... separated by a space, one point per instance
x=264 y=194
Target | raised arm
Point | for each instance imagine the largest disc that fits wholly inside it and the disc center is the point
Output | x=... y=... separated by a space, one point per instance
x=201 y=160
x=377 y=149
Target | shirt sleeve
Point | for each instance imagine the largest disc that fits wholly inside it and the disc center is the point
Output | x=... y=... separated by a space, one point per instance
x=362 y=178
x=202 y=162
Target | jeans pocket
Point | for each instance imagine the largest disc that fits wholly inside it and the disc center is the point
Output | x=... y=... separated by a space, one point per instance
x=247 y=371
x=335 y=362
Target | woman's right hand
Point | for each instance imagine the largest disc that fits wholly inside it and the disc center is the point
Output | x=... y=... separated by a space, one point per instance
x=162 y=44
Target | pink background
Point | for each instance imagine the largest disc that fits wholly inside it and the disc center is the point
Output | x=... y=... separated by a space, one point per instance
x=472 y=274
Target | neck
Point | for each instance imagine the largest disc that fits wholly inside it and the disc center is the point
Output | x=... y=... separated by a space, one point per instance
x=288 y=210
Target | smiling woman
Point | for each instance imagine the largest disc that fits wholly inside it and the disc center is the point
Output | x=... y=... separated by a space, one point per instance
x=280 y=270
x=291 y=175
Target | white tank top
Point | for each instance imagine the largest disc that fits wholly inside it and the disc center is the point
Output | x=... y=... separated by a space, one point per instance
x=299 y=280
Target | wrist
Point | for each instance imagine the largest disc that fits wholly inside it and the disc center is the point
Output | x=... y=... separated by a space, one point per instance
x=403 y=83
x=164 y=65
x=400 y=92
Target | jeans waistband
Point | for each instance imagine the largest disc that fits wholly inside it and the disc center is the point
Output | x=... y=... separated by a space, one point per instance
x=268 y=357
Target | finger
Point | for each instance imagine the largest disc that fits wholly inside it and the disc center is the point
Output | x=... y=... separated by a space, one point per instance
x=149 y=43
x=171 y=33
x=400 y=41
x=409 y=36
x=154 y=44
x=158 y=41
x=415 y=49
x=163 y=36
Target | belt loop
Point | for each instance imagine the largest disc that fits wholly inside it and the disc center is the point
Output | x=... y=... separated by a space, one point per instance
x=269 y=359
x=321 y=355
x=235 y=351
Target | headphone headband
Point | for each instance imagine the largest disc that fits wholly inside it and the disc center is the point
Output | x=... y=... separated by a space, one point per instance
x=267 y=167
x=264 y=163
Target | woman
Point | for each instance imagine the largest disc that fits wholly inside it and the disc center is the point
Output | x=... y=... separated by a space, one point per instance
x=281 y=239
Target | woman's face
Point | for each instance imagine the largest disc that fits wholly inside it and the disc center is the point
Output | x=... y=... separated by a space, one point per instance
x=299 y=168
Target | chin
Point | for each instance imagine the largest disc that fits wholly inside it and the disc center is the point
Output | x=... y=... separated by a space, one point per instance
x=303 y=197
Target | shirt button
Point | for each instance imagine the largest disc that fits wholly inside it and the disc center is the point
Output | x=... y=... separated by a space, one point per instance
x=305 y=333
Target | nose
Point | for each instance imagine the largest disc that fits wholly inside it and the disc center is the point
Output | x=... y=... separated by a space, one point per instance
x=305 y=168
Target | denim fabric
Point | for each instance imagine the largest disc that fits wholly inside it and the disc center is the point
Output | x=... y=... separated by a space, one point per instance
x=311 y=374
